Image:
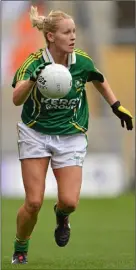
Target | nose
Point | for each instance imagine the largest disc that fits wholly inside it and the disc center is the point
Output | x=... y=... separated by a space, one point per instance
x=73 y=36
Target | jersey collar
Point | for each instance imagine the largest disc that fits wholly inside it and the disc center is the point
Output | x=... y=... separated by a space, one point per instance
x=48 y=57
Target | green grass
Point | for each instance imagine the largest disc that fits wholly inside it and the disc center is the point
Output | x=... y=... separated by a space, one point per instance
x=102 y=236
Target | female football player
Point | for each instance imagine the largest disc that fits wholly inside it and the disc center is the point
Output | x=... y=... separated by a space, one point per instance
x=55 y=130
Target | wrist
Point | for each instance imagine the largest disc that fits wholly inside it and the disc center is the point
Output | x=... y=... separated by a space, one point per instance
x=32 y=80
x=115 y=105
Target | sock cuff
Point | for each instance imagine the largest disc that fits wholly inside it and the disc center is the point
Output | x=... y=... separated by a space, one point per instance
x=21 y=240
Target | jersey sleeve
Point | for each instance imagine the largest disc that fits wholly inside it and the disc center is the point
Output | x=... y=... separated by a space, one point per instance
x=93 y=73
x=25 y=70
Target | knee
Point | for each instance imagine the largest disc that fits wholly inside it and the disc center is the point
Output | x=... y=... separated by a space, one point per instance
x=69 y=204
x=33 y=206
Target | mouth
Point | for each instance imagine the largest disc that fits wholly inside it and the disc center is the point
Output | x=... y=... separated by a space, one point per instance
x=72 y=45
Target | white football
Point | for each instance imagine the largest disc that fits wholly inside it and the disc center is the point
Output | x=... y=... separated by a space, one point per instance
x=55 y=81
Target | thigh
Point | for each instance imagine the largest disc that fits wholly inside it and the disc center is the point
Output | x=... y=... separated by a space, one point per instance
x=34 y=174
x=69 y=180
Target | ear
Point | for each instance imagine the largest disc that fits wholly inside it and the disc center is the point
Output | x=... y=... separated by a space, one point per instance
x=50 y=37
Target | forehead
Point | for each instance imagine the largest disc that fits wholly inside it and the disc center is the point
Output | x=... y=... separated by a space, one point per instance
x=65 y=24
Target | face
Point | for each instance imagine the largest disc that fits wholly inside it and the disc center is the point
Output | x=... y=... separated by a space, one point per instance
x=64 y=37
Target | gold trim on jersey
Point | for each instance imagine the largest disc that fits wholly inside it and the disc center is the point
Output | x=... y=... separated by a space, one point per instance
x=24 y=64
x=31 y=124
x=80 y=51
x=20 y=69
x=36 y=104
x=84 y=55
x=77 y=126
x=25 y=68
x=30 y=59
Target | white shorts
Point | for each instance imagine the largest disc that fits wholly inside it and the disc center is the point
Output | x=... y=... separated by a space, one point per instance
x=64 y=150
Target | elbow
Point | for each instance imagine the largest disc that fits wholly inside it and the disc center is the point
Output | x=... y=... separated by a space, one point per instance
x=16 y=102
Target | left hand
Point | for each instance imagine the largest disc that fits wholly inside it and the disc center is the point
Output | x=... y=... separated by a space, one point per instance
x=124 y=115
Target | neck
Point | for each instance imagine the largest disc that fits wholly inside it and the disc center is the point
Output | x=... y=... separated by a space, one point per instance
x=59 y=57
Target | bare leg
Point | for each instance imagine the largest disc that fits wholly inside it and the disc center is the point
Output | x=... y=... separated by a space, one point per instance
x=69 y=184
x=34 y=173
x=69 y=181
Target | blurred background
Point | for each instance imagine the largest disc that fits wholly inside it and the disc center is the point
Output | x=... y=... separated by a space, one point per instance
x=103 y=225
x=105 y=30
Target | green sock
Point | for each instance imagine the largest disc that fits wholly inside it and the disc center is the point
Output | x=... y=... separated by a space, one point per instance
x=21 y=245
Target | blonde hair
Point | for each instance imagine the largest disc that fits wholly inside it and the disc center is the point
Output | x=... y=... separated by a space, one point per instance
x=48 y=23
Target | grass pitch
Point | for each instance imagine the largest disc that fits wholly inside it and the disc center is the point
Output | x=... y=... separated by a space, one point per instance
x=102 y=236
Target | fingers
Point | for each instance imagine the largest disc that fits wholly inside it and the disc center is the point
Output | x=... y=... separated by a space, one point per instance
x=126 y=120
x=46 y=64
x=42 y=66
x=122 y=123
x=39 y=69
x=129 y=124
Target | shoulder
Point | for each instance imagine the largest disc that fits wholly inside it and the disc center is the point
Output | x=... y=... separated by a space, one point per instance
x=35 y=55
x=28 y=66
x=82 y=55
x=84 y=60
x=33 y=59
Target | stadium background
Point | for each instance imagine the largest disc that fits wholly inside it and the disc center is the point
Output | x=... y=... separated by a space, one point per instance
x=106 y=31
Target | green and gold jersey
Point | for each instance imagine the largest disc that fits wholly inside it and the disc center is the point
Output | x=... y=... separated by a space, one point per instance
x=67 y=115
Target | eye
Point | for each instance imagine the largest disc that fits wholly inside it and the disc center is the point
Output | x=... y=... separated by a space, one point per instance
x=70 y=31
x=67 y=32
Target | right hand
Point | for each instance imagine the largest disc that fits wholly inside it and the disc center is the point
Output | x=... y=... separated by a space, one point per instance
x=37 y=71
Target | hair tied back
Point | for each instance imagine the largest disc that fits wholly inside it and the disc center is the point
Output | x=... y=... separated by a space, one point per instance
x=36 y=20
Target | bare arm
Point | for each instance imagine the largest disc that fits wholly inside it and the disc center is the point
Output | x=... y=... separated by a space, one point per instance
x=106 y=91
x=22 y=91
